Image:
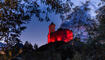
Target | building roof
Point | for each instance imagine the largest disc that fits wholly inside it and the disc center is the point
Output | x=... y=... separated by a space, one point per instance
x=52 y=23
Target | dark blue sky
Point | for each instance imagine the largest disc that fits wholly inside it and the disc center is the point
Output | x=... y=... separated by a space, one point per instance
x=37 y=31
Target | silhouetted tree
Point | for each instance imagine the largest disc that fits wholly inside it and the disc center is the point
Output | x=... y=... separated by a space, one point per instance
x=101 y=29
x=35 y=46
x=13 y=16
x=28 y=46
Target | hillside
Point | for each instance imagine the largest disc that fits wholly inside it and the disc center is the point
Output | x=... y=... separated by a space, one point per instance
x=63 y=51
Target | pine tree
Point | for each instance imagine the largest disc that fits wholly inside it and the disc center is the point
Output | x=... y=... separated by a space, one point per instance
x=28 y=46
x=35 y=46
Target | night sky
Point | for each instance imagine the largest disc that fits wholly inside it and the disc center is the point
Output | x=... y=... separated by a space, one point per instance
x=36 y=31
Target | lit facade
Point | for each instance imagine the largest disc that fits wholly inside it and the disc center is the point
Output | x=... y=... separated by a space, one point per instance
x=65 y=35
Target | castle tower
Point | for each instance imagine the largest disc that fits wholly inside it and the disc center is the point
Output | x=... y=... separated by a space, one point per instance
x=51 y=29
x=65 y=35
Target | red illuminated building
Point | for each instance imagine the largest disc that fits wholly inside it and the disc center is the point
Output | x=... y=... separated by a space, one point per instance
x=65 y=35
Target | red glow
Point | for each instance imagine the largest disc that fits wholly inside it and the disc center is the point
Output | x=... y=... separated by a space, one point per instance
x=65 y=35
x=52 y=40
x=62 y=35
x=49 y=38
x=58 y=38
x=66 y=40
